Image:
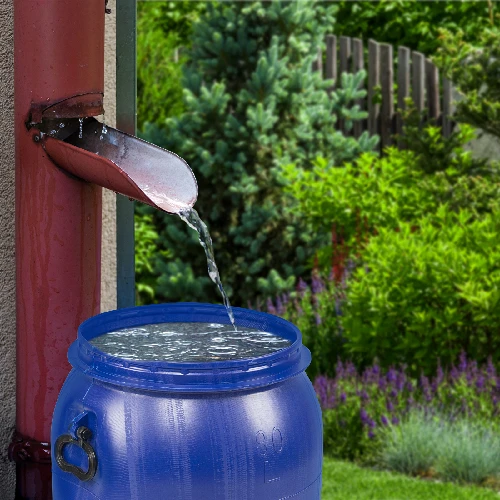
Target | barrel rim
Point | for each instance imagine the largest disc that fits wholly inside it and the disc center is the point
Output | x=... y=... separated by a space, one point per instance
x=188 y=376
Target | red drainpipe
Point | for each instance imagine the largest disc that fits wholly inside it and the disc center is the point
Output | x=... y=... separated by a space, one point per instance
x=59 y=54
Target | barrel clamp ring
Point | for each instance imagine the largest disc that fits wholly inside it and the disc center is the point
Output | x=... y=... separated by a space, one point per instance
x=83 y=434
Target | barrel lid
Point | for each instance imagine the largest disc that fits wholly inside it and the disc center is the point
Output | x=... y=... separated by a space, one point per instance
x=188 y=376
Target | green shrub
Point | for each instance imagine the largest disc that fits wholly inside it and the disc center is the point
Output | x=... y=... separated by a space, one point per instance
x=412 y=446
x=474 y=70
x=373 y=193
x=146 y=241
x=252 y=104
x=462 y=451
x=159 y=88
x=468 y=453
x=412 y=24
x=427 y=293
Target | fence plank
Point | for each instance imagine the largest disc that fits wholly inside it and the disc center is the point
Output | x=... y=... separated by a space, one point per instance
x=418 y=80
x=373 y=83
x=447 y=121
x=318 y=63
x=331 y=59
x=345 y=54
x=345 y=67
x=432 y=84
x=357 y=65
x=387 y=111
x=403 y=88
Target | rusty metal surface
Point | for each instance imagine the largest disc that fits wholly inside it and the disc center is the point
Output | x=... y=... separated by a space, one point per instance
x=126 y=165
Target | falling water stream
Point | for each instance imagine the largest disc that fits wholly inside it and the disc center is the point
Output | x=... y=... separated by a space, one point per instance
x=192 y=219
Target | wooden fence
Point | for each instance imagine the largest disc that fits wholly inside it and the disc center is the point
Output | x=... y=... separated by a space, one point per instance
x=416 y=76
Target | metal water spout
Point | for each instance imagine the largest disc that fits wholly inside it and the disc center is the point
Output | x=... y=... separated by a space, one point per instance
x=123 y=163
x=59 y=84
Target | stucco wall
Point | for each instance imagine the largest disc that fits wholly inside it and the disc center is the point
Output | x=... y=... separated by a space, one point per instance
x=108 y=280
x=7 y=255
x=7 y=248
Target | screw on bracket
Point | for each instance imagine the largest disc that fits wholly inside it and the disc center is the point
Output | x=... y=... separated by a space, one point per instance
x=36 y=138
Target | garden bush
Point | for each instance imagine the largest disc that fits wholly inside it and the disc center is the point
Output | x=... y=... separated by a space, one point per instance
x=375 y=192
x=427 y=293
x=474 y=69
x=360 y=405
x=412 y=446
x=431 y=445
x=408 y=221
x=412 y=24
x=252 y=104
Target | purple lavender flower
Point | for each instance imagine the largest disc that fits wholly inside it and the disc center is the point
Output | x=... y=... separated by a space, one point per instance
x=280 y=310
x=301 y=285
x=285 y=298
x=389 y=406
x=490 y=369
x=364 y=416
x=270 y=307
x=480 y=382
x=343 y=397
x=395 y=420
x=317 y=285
x=392 y=375
x=382 y=383
x=384 y=420
x=351 y=369
x=394 y=393
x=371 y=434
x=400 y=381
x=371 y=423
x=462 y=365
x=409 y=386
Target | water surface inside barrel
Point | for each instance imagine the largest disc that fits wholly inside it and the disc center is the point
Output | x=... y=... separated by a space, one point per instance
x=241 y=429
x=183 y=342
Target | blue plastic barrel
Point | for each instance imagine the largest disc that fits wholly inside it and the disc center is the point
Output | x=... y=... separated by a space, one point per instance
x=151 y=430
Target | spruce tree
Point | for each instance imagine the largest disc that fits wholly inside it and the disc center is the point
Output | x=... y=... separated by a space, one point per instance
x=252 y=104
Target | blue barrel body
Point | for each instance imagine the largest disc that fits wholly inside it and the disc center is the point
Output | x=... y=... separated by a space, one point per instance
x=226 y=430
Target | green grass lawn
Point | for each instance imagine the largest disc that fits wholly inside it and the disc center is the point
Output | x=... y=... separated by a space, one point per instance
x=346 y=481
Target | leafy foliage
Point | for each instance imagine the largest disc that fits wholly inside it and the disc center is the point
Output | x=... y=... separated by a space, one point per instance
x=412 y=24
x=402 y=186
x=411 y=222
x=427 y=293
x=252 y=104
x=474 y=68
x=159 y=88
